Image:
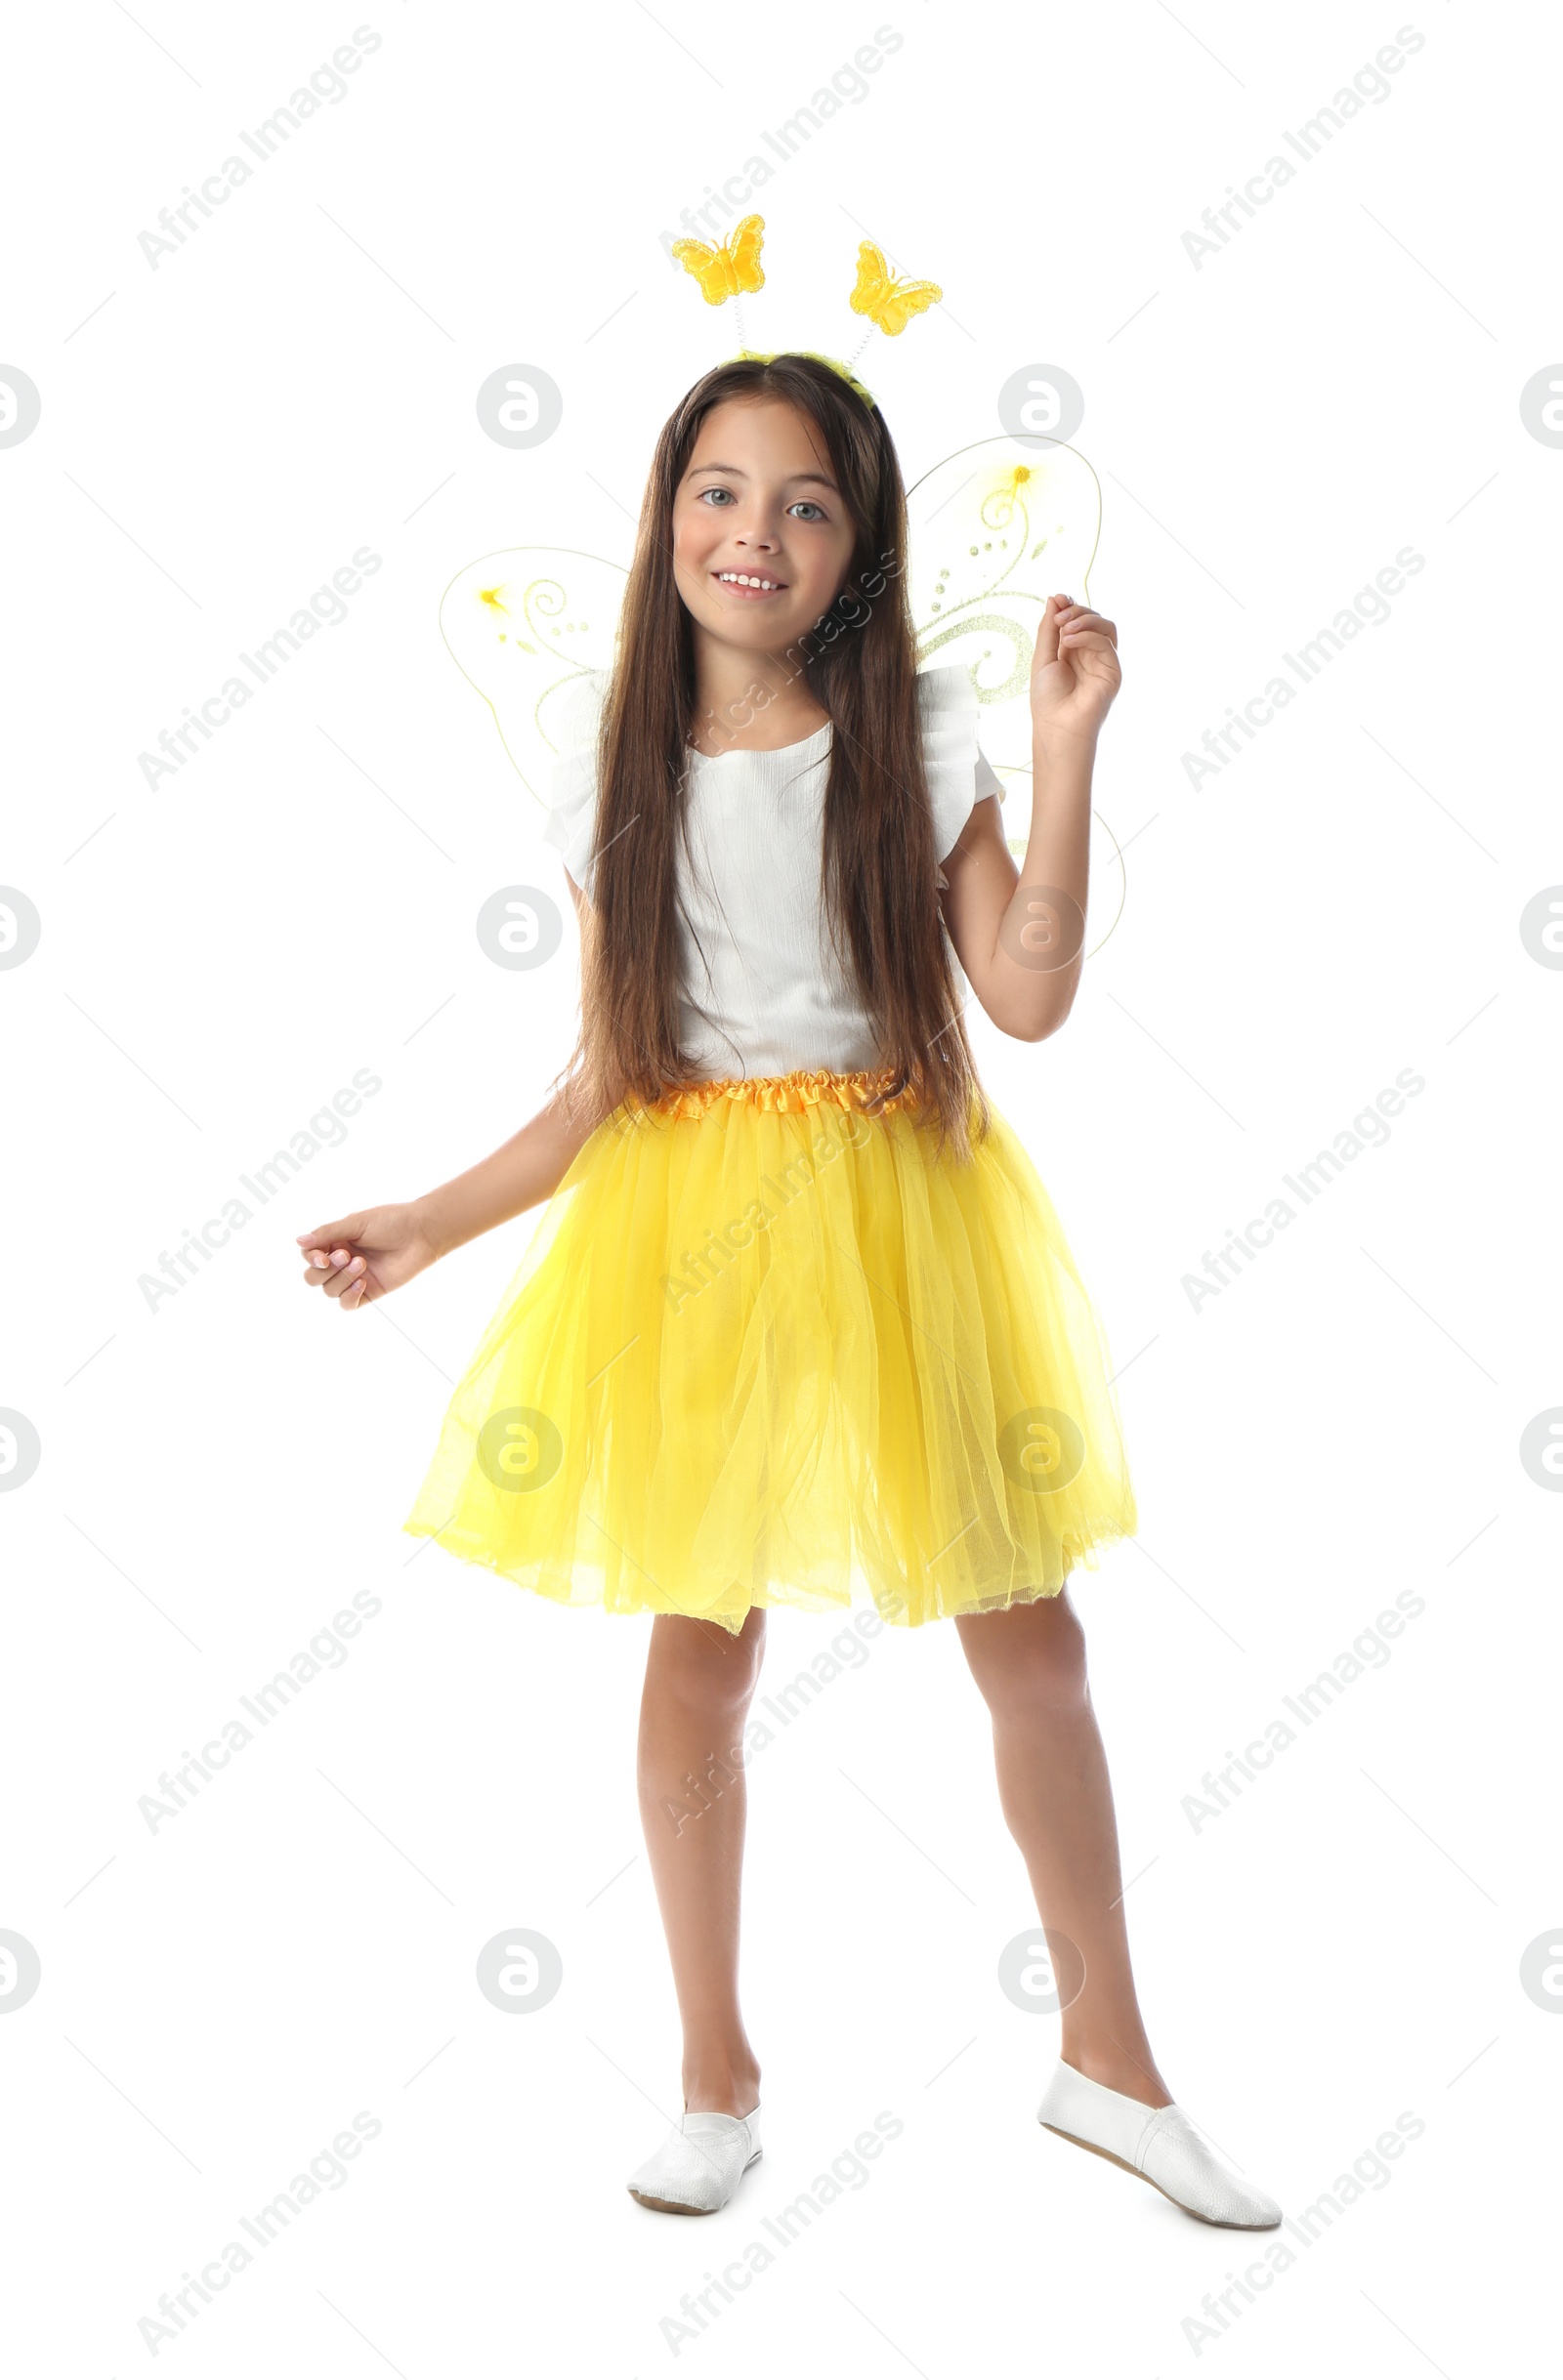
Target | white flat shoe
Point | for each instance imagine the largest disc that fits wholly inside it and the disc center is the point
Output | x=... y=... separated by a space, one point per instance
x=1159 y=2144
x=700 y=2164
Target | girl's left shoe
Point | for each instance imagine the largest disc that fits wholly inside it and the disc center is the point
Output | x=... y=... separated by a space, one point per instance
x=700 y=2164
x=1159 y=2144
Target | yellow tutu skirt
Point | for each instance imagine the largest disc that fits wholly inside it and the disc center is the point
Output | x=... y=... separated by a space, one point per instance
x=765 y=1348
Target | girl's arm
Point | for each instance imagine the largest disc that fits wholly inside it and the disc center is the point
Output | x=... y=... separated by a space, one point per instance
x=360 y=1256
x=529 y=1166
x=1020 y=934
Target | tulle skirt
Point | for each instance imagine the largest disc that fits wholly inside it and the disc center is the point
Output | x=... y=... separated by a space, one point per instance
x=765 y=1348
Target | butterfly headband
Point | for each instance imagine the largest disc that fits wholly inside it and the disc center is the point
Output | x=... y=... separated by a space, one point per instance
x=733 y=268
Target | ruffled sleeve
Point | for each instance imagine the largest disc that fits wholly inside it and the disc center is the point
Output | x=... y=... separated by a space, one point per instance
x=959 y=774
x=572 y=810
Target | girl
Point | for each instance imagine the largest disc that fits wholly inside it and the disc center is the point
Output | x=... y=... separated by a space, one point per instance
x=799 y=1309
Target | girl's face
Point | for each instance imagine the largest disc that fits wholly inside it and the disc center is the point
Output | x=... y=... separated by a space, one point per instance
x=762 y=538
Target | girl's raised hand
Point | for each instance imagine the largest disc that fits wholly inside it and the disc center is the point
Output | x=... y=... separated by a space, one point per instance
x=1075 y=672
x=360 y=1257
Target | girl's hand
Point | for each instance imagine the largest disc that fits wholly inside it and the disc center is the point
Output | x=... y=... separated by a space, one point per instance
x=1074 y=673
x=358 y=1257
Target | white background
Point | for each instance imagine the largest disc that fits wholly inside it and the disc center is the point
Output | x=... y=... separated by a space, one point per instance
x=219 y=955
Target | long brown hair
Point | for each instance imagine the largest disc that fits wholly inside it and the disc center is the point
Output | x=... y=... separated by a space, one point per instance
x=879 y=862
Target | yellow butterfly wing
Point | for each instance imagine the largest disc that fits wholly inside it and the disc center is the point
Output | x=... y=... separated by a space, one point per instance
x=873 y=279
x=903 y=300
x=725 y=271
x=745 y=246
x=885 y=300
x=702 y=262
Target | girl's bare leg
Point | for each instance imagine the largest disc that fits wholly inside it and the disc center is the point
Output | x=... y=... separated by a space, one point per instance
x=1029 y=1665
x=699 y=1681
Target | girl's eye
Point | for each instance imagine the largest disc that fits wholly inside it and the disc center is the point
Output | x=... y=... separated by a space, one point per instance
x=718 y=498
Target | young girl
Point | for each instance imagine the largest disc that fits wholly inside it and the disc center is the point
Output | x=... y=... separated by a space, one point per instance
x=799 y=1310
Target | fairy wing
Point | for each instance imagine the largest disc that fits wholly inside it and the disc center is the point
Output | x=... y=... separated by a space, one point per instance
x=524 y=626
x=997 y=528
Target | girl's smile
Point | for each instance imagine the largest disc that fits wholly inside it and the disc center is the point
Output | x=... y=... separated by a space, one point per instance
x=748 y=588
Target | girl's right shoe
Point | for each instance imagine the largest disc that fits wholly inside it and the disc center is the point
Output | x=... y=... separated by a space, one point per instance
x=700 y=2164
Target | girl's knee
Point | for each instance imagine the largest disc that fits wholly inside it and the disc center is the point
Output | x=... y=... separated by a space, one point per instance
x=706 y=1664
x=1029 y=1653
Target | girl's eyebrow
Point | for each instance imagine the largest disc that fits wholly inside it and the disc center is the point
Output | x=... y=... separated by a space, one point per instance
x=794 y=479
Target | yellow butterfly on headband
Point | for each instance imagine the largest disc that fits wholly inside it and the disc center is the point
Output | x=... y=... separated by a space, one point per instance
x=885 y=300
x=726 y=271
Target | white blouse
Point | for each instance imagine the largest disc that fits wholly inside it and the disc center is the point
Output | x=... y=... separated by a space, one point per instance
x=764 y=991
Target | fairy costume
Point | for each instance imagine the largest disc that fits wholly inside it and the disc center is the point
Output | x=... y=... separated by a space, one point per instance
x=766 y=1346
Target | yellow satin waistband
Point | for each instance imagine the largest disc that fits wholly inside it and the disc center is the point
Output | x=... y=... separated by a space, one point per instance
x=781 y=1094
